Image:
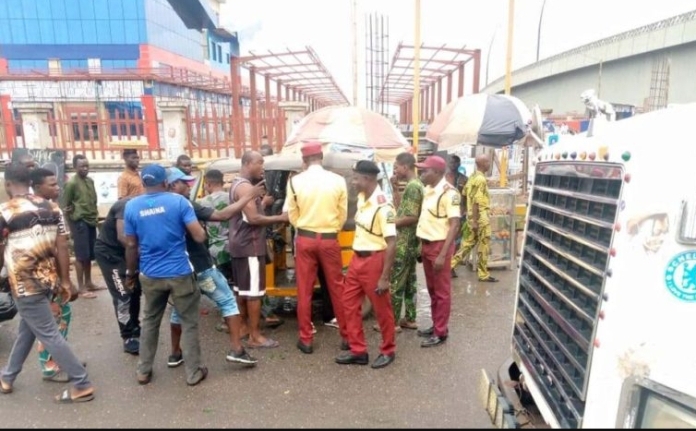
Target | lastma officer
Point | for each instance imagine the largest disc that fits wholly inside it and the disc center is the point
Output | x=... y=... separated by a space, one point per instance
x=374 y=246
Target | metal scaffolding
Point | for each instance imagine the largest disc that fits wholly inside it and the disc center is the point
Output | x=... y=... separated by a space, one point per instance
x=299 y=76
x=436 y=64
x=376 y=60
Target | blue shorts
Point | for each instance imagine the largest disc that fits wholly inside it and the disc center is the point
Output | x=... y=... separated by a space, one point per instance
x=213 y=284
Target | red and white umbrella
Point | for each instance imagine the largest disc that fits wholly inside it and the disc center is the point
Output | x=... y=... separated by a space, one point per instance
x=349 y=129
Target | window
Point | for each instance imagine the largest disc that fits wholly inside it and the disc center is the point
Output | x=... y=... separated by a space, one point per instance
x=54 y=66
x=219 y=55
x=84 y=126
x=94 y=65
x=662 y=412
x=126 y=119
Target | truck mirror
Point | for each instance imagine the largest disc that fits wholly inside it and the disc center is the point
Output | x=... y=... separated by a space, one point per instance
x=686 y=234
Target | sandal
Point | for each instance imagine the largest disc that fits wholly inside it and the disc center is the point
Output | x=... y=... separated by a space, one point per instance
x=87 y=295
x=222 y=327
x=5 y=388
x=489 y=280
x=66 y=398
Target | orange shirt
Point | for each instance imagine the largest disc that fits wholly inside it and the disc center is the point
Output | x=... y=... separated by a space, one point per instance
x=130 y=184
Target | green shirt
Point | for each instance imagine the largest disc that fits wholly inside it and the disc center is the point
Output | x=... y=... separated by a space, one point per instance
x=218 y=231
x=79 y=193
x=410 y=205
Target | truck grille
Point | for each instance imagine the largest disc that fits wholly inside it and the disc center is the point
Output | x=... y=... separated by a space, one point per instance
x=566 y=250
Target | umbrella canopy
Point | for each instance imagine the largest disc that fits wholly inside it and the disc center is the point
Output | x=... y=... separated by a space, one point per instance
x=349 y=129
x=493 y=120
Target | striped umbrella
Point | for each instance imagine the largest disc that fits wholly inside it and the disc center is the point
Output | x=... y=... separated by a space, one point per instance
x=349 y=129
x=493 y=120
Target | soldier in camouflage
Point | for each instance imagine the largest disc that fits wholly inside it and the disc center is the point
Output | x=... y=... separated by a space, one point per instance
x=403 y=276
x=478 y=220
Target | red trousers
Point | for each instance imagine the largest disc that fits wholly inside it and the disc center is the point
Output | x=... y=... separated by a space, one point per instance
x=362 y=278
x=309 y=254
x=439 y=285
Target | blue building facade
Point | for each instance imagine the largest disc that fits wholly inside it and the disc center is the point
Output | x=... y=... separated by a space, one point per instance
x=112 y=34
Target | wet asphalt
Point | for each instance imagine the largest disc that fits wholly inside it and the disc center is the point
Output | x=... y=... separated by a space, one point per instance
x=429 y=388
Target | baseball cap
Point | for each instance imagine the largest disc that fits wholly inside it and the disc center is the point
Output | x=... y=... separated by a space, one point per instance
x=433 y=162
x=153 y=175
x=176 y=174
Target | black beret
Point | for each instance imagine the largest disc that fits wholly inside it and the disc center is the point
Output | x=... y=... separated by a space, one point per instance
x=366 y=167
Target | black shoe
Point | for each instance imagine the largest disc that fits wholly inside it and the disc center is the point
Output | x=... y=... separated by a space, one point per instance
x=426 y=332
x=350 y=358
x=489 y=280
x=132 y=346
x=383 y=360
x=305 y=348
x=241 y=358
x=433 y=341
x=175 y=360
x=344 y=345
x=453 y=273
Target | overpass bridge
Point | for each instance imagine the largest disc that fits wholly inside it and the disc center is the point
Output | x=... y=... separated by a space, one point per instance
x=647 y=68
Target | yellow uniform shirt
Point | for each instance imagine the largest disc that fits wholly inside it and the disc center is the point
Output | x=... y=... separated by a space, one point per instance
x=375 y=220
x=440 y=203
x=317 y=200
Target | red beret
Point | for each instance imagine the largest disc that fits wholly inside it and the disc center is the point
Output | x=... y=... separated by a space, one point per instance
x=311 y=149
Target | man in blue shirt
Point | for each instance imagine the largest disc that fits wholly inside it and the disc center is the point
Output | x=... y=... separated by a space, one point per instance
x=155 y=226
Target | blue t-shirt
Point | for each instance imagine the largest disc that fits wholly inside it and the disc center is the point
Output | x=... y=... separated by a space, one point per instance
x=159 y=222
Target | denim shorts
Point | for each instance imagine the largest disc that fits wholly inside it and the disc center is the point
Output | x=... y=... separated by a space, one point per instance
x=213 y=284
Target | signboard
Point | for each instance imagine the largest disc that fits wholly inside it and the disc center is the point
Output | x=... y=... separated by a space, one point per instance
x=50 y=91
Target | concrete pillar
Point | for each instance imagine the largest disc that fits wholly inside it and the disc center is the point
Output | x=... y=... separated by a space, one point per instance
x=37 y=133
x=174 y=126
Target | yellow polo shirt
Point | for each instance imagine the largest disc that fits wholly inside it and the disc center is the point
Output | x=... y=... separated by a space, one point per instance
x=317 y=200
x=440 y=203
x=375 y=220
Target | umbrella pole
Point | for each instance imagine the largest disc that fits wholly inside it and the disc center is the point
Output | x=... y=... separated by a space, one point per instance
x=508 y=86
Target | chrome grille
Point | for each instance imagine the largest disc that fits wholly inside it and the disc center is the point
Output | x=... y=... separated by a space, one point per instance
x=566 y=251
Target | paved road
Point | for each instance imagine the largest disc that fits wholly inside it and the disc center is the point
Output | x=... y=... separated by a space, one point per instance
x=432 y=388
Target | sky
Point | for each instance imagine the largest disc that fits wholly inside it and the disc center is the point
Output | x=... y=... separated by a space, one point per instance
x=325 y=25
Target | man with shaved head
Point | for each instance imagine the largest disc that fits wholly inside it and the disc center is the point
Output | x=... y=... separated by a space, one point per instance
x=478 y=208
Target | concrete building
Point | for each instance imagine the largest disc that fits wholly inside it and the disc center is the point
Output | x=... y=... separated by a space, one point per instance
x=95 y=74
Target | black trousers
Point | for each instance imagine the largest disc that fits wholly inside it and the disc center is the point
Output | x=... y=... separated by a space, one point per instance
x=126 y=304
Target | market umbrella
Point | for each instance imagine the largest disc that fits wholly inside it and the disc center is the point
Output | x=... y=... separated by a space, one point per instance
x=493 y=120
x=349 y=129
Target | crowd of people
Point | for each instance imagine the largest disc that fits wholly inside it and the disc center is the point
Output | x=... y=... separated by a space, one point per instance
x=157 y=243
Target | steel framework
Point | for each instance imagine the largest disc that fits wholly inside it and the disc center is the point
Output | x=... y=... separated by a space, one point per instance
x=436 y=64
x=304 y=78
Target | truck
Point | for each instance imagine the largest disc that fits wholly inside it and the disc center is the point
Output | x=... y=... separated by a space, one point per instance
x=605 y=296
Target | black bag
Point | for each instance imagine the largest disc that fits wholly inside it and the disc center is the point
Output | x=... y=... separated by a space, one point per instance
x=8 y=309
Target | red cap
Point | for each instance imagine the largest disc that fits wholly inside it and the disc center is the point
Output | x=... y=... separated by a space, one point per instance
x=311 y=149
x=433 y=162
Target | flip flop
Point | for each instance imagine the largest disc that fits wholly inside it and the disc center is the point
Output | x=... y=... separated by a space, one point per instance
x=87 y=295
x=65 y=398
x=268 y=344
x=5 y=388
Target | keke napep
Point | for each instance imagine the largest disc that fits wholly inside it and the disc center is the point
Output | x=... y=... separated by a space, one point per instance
x=280 y=280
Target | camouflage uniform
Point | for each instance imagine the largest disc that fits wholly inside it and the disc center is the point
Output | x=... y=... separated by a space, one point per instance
x=403 y=274
x=477 y=193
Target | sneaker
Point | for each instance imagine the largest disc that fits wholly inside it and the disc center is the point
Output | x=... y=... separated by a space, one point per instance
x=241 y=358
x=175 y=360
x=132 y=346
x=332 y=323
